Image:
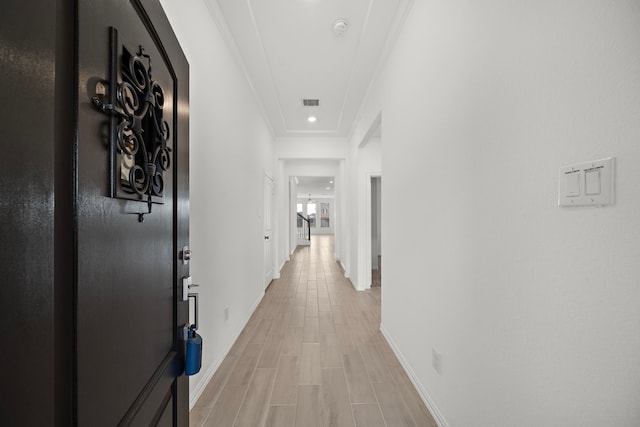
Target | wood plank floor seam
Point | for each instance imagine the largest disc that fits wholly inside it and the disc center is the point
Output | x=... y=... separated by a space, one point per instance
x=310 y=355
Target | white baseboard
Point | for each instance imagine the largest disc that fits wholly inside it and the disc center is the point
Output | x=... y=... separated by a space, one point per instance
x=277 y=273
x=344 y=268
x=204 y=381
x=422 y=391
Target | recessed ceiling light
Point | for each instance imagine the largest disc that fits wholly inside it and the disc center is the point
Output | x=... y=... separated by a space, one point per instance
x=311 y=119
x=328 y=188
x=330 y=182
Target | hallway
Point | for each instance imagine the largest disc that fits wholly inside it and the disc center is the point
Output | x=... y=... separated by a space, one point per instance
x=312 y=355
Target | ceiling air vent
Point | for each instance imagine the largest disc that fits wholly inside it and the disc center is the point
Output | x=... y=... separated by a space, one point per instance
x=311 y=102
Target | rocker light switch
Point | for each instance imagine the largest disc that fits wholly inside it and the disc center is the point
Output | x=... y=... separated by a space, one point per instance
x=592 y=182
x=573 y=184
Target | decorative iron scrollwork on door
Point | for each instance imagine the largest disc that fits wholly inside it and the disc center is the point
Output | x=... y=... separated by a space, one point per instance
x=139 y=135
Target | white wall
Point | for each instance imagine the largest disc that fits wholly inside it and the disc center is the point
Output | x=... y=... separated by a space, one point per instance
x=343 y=204
x=231 y=148
x=533 y=308
x=311 y=148
x=289 y=210
x=312 y=167
x=365 y=161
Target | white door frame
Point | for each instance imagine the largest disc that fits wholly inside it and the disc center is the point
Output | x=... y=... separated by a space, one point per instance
x=367 y=265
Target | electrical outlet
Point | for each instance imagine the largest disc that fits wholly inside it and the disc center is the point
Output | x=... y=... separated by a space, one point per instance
x=226 y=314
x=436 y=361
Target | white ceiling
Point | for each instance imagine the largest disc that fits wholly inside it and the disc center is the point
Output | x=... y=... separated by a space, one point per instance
x=316 y=186
x=289 y=52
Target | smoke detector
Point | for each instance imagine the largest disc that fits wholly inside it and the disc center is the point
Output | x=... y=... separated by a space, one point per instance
x=340 y=27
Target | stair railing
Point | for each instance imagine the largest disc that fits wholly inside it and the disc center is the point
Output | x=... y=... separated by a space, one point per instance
x=304 y=230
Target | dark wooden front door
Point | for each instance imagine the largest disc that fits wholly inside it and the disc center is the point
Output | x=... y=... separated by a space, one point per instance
x=132 y=157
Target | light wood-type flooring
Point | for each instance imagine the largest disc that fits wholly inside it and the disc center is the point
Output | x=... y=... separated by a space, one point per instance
x=312 y=355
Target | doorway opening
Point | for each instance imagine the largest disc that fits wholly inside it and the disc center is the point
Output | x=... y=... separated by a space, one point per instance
x=376 y=231
x=315 y=207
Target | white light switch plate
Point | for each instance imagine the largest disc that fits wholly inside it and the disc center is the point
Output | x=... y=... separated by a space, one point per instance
x=587 y=184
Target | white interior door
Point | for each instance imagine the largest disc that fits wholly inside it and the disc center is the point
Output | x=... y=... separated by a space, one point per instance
x=268 y=228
